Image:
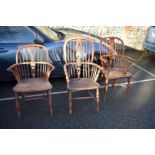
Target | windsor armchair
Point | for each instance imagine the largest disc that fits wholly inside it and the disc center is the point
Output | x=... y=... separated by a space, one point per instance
x=32 y=72
x=80 y=71
x=114 y=62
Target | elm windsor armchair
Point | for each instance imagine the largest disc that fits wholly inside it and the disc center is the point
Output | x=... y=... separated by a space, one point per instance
x=114 y=62
x=32 y=72
x=80 y=71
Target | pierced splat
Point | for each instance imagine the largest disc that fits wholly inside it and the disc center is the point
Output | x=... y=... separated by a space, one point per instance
x=78 y=49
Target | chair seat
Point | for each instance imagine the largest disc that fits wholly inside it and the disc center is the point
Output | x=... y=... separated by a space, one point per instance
x=33 y=85
x=77 y=84
x=117 y=73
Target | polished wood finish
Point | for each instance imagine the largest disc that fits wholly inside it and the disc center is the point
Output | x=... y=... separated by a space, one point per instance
x=80 y=71
x=32 y=75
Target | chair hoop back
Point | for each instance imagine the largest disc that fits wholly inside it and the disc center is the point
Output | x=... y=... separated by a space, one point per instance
x=111 y=45
x=79 y=49
x=32 y=53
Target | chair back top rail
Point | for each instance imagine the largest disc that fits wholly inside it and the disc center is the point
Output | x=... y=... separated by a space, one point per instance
x=78 y=49
x=111 y=45
x=32 y=53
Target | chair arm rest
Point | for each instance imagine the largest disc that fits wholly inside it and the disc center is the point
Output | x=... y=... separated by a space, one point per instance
x=51 y=68
x=19 y=71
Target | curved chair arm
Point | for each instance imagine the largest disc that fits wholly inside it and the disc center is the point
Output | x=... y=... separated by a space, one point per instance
x=90 y=70
x=135 y=60
x=66 y=72
x=35 y=69
x=14 y=71
x=97 y=69
x=105 y=58
x=122 y=62
x=51 y=68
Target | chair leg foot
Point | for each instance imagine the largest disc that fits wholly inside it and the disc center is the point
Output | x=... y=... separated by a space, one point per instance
x=19 y=115
x=51 y=112
x=17 y=106
x=50 y=102
x=70 y=102
x=70 y=111
x=106 y=82
x=113 y=83
x=128 y=86
x=98 y=109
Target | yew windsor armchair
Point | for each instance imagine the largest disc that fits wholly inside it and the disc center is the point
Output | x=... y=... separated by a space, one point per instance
x=32 y=71
x=80 y=71
x=114 y=62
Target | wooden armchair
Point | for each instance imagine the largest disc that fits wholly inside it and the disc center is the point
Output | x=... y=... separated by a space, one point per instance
x=32 y=77
x=81 y=74
x=113 y=61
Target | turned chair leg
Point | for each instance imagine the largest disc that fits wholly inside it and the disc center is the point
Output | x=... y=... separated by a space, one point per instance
x=17 y=106
x=106 y=87
x=97 y=100
x=50 y=102
x=128 y=86
x=70 y=102
x=113 y=83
